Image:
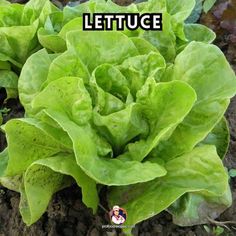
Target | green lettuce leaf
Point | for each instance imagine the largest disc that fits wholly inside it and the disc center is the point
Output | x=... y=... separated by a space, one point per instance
x=196 y=13
x=75 y=24
x=137 y=69
x=164 y=106
x=30 y=140
x=9 y=80
x=109 y=90
x=103 y=47
x=110 y=79
x=121 y=127
x=143 y=46
x=32 y=77
x=13 y=183
x=48 y=35
x=205 y=75
x=208 y=4
x=195 y=208
x=152 y=6
x=219 y=137
x=197 y=32
x=51 y=41
x=75 y=67
x=74 y=122
x=179 y=11
x=45 y=177
x=3 y=163
x=200 y=171
x=165 y=40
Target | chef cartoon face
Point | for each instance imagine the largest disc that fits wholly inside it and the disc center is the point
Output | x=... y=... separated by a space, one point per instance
x=118 y=215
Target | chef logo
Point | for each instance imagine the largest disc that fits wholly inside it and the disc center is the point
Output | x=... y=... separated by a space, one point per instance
x=118 y=215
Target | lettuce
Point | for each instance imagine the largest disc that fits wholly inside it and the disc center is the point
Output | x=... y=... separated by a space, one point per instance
x=18 y=38
x=18 y=29
x=139 y=112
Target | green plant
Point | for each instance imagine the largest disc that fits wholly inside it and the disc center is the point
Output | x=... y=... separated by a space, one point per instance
x=216 y=231
x=208 y=4
x=200 y=6
x=232 y=173
x=138 y=111
x=3 y=112
x=18 y=38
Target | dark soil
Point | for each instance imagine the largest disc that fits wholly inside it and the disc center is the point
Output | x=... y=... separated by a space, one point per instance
x=68 y=216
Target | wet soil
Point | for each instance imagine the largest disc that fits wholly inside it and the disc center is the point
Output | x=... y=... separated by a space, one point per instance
x=68 y=216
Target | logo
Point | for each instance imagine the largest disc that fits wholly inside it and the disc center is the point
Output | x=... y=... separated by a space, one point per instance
x=118 y=215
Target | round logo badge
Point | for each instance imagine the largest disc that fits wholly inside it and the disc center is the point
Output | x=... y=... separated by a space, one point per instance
x=118 y=215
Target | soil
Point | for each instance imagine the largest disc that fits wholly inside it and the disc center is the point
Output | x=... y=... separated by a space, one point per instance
x=68 y=216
